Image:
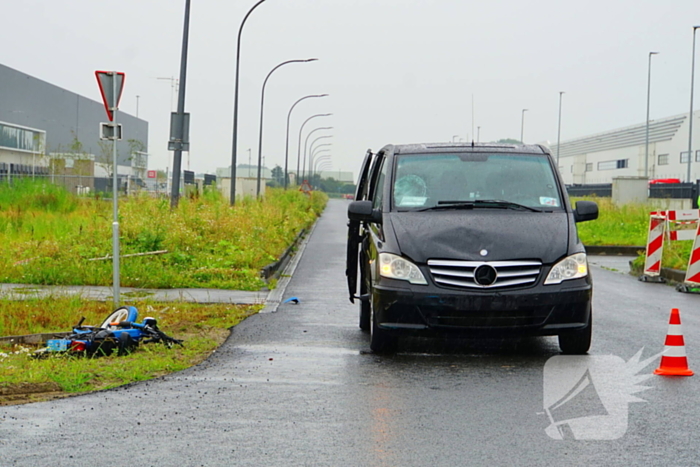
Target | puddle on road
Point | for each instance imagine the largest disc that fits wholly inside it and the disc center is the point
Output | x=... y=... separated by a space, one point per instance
x=296 y=349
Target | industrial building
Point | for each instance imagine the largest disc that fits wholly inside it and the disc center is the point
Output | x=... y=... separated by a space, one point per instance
x=601 y=157
x=47 y=131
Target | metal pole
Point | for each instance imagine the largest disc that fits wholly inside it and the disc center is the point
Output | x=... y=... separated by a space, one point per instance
x=522 y=126
x=115 y=200
x=478 y=133
x=690 y=123
x=559 y=129
x=301 y=129
x=286 y=144
x=319 y=161
x=234 y=141
x=306 y=145
x=312 y=160
x=262 y=104
x=312 y=150
x=646 y=137
x=177 y=154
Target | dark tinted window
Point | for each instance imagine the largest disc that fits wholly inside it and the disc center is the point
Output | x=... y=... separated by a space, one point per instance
x=425 y=180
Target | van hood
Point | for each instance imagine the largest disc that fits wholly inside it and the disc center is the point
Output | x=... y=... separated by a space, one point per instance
x=462 y=235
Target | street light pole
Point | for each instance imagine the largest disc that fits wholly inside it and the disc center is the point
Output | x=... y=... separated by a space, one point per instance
x=303 y=169
x=262 y=104
x=522 y=126
x=234 y=142
x=177 y=154
x=301 y=129
x=690 y=123
x=312 y=159
x=286 y=144
x=559 y=129
x=314 y=172
x=646 y=138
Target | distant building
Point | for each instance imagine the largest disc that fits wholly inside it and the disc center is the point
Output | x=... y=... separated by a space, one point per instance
x=48 y=131
x=601 y=157
x=346 y=177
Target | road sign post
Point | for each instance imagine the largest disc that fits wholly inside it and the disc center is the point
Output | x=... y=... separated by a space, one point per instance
x=111 y=84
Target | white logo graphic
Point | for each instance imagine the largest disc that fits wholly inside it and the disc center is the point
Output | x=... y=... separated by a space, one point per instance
x=586 y=397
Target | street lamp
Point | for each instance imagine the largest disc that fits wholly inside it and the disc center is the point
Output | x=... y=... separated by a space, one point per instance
x=301 y=129
x=262 y=104
x=559 y=129
x=316 y=149
x=323 y=158
x=453 y=138
x=522 y=126
x=646 y=138
x=303 y=169
x=318 y=162
x=312 y=159
x=234 y=143
x=286 y=144
x=690 y=127
x=325 y=165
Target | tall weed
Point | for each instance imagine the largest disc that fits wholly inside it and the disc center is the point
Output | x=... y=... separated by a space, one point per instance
x=208 y=242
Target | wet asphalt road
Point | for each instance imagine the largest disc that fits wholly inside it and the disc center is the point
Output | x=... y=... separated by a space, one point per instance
x=300 y=387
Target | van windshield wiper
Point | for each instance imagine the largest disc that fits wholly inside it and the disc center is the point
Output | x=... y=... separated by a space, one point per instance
x=481 y=203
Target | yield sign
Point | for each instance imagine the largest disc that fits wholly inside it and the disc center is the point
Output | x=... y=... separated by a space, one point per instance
x=111 y=91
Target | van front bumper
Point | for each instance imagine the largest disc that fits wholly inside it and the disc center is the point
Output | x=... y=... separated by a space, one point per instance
x=403 y=308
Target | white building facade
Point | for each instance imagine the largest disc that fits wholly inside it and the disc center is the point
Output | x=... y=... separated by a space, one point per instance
x=622 y=153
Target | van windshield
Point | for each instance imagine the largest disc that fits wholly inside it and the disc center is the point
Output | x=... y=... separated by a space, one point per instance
x=474 y=180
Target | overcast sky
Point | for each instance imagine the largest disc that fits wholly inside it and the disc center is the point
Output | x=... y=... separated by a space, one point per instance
x=397 y=71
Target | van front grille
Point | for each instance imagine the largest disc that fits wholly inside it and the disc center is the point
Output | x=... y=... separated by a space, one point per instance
x=483 y=274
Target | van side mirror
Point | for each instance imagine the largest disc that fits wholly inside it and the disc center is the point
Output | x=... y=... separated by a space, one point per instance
x=585 y=211
x=362 y=211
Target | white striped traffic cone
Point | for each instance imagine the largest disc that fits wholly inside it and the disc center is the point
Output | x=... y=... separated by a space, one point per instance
x=674 y=361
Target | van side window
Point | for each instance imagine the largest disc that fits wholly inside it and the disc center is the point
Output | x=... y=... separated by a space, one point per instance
x=378 y=192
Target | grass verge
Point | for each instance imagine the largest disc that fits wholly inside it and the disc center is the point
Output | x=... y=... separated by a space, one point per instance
x=628 y=226
x=26 y=379
x=54 y=238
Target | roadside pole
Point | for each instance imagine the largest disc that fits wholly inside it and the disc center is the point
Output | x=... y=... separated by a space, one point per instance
x=115 y=206
x=111 y=85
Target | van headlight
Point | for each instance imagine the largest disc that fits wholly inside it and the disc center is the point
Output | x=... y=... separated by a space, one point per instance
x=572 y=267
x=395 y=267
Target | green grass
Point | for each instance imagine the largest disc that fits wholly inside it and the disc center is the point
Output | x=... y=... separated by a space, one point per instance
x=52 y=236
x=628 y=226
x=203 y=328
x=625 y=225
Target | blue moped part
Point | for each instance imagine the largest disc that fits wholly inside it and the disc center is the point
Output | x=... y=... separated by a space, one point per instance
x=57 y=345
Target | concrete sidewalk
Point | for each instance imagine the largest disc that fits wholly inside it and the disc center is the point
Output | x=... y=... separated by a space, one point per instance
x=236 y=297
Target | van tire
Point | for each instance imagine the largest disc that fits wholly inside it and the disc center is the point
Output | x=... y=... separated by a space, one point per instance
x=577 y=342
x=380 y=341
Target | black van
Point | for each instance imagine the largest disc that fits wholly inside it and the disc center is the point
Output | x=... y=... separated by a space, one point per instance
x=478 y=239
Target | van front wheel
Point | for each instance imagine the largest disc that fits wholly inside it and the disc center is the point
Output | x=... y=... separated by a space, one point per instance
x=577 y=342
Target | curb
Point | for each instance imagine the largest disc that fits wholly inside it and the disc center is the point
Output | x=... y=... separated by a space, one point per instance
x=674 y=276
x=273 y=270
x=615 y=250
x=33 y=339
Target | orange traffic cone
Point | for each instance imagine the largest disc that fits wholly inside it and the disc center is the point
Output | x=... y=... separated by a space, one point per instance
x=674 y=361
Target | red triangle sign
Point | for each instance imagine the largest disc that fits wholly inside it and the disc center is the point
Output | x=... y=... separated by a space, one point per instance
x=111 y=91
